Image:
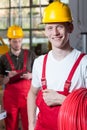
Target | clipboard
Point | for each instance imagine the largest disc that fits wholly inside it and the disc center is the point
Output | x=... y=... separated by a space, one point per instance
x=17 y=77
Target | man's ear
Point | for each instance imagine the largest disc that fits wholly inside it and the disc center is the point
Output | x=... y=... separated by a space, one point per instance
x=70 y=27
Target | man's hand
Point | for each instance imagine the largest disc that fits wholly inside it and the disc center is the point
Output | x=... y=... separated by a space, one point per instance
x=52 y=98
x=12 y=73
x=6 y=80
x=27 y=75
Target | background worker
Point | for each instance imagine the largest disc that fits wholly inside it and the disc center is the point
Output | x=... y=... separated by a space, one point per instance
x=16 y=61
x=57 y=73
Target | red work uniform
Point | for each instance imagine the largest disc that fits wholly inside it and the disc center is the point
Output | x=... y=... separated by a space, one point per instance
x=47 y=117
x=15 y=94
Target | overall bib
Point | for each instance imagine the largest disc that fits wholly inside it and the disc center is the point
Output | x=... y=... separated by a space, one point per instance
x=48 y=116
x=15 y=99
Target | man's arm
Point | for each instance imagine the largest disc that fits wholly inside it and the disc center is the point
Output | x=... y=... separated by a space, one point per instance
x=31 y=106
x=1 y=79
x=4 y=79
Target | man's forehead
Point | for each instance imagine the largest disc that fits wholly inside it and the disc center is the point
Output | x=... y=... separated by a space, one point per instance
x=54 y=24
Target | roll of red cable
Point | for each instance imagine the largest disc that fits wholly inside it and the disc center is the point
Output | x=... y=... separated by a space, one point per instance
x=73 y=112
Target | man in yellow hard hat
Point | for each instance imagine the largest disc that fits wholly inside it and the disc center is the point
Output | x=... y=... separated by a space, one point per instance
x=57 y=73
x=16 y=74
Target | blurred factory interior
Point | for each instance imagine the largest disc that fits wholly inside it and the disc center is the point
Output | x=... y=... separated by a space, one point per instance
x=28 y=14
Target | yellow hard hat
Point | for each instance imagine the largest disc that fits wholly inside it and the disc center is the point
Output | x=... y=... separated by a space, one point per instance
x=15 y=31
x=57 y=12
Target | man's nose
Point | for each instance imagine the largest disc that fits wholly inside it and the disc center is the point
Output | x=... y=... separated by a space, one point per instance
x=55 y=31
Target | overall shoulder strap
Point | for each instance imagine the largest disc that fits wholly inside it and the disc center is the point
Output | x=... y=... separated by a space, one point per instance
x=25 y=59
x=43 y=79
x=10 y=61
x=68 y=81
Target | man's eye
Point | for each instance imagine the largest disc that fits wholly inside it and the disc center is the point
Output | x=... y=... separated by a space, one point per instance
x=50 y=28
x=60 y=27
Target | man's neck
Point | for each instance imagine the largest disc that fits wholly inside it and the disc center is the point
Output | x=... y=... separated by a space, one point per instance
x=15 y=52
x=59 y=54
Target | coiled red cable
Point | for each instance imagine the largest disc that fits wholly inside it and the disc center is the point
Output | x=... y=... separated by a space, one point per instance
x=73 y=112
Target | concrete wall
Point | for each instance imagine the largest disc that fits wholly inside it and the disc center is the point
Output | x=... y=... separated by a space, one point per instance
x=78 y=8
